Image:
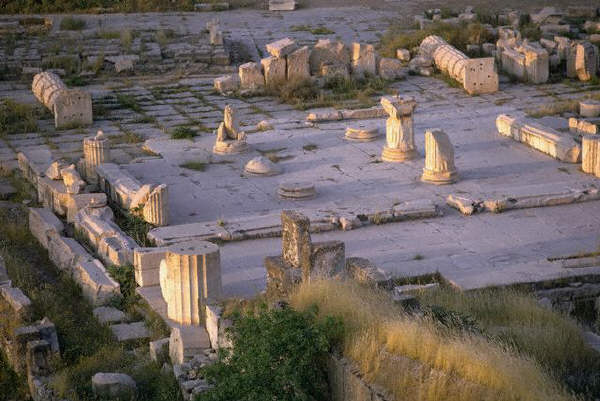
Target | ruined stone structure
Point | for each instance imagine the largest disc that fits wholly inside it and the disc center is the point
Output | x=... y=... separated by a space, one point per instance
x=150 y=201
x=230 y=138
x=190 y=278
x=590 y=154
x=586 y=61
x=478 y=76
x=300 y=258
x=544 y=139
x=364 y=59
x=71 y=107
x=528 y=62
x=214 y=32
x=400 y=141
x=439 y=158
x=96 y=150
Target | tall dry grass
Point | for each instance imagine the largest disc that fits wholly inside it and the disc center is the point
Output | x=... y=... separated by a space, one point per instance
x=414 y=359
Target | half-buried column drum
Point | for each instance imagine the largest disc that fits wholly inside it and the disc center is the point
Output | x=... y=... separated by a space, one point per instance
x=96 y=150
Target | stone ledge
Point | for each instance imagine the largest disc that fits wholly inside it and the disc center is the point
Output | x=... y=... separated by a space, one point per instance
x=269 y=226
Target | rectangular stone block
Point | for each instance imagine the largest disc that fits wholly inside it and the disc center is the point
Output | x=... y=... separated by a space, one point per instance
x=95 y=282
x=187 y=341
x=159 y=350
x=213 y=317
x=146 y=264
x=390 y=68
x=73 y=108
x=251 y=77
x=328 y=259
x=586 y=61
x=274 y=70
x=282 y=47
x=364 y=59
x=480 y=76
x=298 y=67
x=282 y=5
x=73 y=203
x=295 y=239
x=65 y=252
x=18 y=302
x=281 y=277
x=537 y=63
x=41 y=222
x=227 y=83
x=364 y=271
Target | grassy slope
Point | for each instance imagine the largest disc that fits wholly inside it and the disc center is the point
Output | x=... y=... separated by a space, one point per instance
x=87 y=347
x=449 y=362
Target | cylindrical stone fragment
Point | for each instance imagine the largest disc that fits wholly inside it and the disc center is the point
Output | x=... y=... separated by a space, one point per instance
x=96 y=150
x=590 y=154
x=156 y=210
x=190 y=279
x=439 y=158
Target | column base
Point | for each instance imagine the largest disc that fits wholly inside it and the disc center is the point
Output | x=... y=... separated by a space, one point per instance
x=439 y=178
x=397 y=155
x=230 y=147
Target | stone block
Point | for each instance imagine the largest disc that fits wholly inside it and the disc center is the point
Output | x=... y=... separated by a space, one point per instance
x=146 y=264
x=116 y=249
x=391 y=68
x=365 y=272
x=213 y=317
x=95 y=282
x=37 y=358
x=403 y=55
x=187 y=341
x=109 y=315
x=113 y=386
x=159 y=350
x=327 y=51
x=586 y=61
x=18 y=302
x=274 y=70
x=537 y=65
x=480 y=76
x=251 y=77
x=282 y=5
x=590 y=154
x=130 y=332
x=544 y=139
x=295 y=239
x=582 y=127
x=328 y=259
x=364 y=59
x=227 y=83
x=589 y=108
x=281 y=277
x=282 y=47
x=41 y=222
x=73 y=108
x=65 y=252
x=74 y=203
x=335 y=70
x=298 y=67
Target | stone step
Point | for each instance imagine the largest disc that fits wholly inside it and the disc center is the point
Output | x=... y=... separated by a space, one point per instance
x=130 y=332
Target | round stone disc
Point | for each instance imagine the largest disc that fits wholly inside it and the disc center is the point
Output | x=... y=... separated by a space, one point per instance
x=362 y=134
x=262 y=166
x=297 y=190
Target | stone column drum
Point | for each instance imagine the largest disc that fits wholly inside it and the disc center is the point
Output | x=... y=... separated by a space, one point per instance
x=96 y=150
x=590 y=154
x=156 y=207
x=190 y=278
x=439 y=158
x=400 y=142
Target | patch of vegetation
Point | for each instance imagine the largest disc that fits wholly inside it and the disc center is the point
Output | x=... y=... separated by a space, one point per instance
x=134 y=226
x=76 y=80
x=129 y=137
x=457 y=35
x=555 y=108
x=192 y=165
x=129 y=102
x=320 y=30
x=12 y=386
x=468 y=347
x=124 y=275
x=17 y=118
x=127 y=37
x=163 y=36
x=277 y=354
x=70 y=63
x=130 y=6
x=144 y=120
x=69 y=23
x=531 y=31
x=310 y=147
x=183 y=132
x=108 y=35
x=272 y=154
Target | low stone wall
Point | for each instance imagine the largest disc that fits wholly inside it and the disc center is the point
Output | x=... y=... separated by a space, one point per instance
x=68 y=255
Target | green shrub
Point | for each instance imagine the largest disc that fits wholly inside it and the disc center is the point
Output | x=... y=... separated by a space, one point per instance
x=183 y=132
x=124 y=275
x=72 y=24
x=129 y=102
x=70 y=63
x=277 y=355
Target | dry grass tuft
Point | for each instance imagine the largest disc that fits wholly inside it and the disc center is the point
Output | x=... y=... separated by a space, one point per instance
x=416 y=359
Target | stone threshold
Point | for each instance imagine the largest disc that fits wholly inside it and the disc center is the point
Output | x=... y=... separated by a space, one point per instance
x=269 y=225
x=523 y=197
